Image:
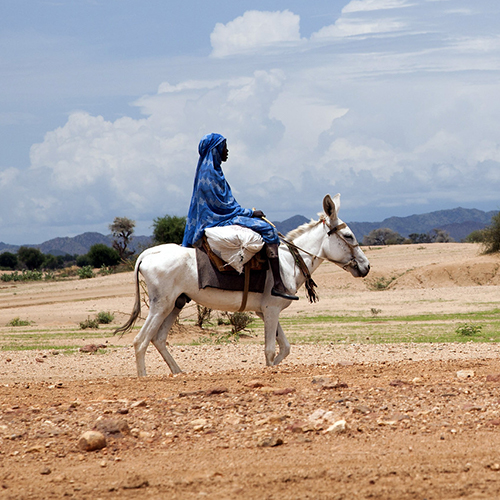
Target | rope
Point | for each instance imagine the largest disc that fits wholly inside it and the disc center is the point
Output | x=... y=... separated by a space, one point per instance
x=310 y=285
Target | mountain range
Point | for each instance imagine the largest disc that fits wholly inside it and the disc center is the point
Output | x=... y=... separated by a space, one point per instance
x=458 y=222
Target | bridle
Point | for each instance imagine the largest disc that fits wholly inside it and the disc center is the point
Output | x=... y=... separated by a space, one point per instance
x=299 y=261
x=331 y=230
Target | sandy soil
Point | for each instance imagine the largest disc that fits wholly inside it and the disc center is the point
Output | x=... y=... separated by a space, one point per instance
x=421 y=421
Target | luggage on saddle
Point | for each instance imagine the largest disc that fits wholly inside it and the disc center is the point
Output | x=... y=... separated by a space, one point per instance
x=235 y=245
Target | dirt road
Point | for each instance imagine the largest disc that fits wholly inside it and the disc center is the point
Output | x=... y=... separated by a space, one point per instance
x=332 y=422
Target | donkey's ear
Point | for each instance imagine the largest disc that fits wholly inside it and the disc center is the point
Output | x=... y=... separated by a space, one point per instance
x=331 y=206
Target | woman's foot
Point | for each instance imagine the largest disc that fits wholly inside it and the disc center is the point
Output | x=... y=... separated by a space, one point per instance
x=283 y=294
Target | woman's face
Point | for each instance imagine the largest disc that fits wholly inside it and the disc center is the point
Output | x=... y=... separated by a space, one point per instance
x=225 y=153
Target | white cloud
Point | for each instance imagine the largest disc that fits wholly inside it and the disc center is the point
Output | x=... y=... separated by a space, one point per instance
x=388 y=121
x=371 y=5
x=344 y=27
x=255 y=30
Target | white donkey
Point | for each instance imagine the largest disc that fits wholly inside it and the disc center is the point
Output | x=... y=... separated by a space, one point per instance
x=171 y=276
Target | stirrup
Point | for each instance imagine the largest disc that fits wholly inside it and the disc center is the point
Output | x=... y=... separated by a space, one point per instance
x=283 y=295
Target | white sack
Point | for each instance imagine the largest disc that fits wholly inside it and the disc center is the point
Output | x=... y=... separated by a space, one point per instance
x=236 y=245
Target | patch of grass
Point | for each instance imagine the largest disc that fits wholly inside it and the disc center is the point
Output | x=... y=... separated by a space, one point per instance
x=383 y=329
x=63 y=349
x=19 y=322
x=469 y=329
x=381 y=283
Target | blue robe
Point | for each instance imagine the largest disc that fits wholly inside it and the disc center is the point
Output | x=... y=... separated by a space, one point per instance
x=213 y=203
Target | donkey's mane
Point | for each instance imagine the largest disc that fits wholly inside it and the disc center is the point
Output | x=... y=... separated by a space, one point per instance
x=295 y=233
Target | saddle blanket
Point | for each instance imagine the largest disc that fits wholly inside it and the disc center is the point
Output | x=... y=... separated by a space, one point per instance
x=210 y=276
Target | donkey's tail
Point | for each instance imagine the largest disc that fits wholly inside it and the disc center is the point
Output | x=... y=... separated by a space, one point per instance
x=137 y=306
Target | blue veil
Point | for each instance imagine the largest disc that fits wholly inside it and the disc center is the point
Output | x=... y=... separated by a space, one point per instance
x=212 y=203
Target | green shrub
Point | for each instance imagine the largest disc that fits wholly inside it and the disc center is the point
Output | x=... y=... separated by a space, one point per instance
x=105 y=270
x=239 y=321
x=204 y=314
x=475 y=237
x=85 y=272
x=89 y=323
x=168 y=229
x=105 y=317
x=31 y=257
x=8 y=260
x=18 y=322
x=491 y=235
x=83 y=260
x=25 y=275
x=468 y=329
x=101 y=255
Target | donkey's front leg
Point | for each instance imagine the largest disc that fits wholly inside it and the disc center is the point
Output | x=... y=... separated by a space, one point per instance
x=271 y=317
x=284 y=345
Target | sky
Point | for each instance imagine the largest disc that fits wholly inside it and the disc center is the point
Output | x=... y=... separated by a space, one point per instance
x=394 y=104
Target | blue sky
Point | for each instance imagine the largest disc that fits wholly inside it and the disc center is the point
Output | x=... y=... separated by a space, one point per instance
x=392 y=103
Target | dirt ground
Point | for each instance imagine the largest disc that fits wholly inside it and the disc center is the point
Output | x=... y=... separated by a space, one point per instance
x=334 y=422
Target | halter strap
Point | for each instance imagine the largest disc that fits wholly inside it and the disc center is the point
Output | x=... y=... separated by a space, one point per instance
x=299 y=261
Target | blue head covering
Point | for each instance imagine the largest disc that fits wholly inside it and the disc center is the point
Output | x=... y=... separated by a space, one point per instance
x=212 y=203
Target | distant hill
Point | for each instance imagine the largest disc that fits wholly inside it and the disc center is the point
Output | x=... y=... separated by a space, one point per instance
x=291 y=223
x=78 y=245
x=458 y=222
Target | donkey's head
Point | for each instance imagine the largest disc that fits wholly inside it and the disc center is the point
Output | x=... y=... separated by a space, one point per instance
x=340 y=245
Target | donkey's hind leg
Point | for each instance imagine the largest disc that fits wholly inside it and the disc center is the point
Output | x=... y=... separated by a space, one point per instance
x=160 y=340
x=149 y=330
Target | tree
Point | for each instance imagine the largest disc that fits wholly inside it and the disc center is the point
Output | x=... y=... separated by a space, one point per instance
x=101 y=255
x=8 y=260
x=122 y=230
x=31 y=257
x=491 y=233
x=419 y=238
x=383 y=236
x=476 y=236
x=168 y=229
x=53 y=261
x=440 y=236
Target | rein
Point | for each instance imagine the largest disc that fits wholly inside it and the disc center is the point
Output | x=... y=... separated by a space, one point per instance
x=299 y=261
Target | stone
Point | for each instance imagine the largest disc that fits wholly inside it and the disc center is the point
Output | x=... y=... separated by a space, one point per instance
x=112 y=426
x=254 y=384
x=198 y=424
x=45 y=471
x=338 y=426
x=284 y=392
x=92 y=440
x=35 y=449
x=134 y=482
x=316 y=415
x=463 y=374
x=216 y=390
x=271 y=442
x=138 y=404
x=361 y=409
x=300 y=426
x=493 y=378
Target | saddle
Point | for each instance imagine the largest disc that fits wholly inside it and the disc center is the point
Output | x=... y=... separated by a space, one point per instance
x=214 y=272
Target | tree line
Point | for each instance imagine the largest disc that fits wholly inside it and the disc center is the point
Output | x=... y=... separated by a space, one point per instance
x=170 y=229
x=167 y=229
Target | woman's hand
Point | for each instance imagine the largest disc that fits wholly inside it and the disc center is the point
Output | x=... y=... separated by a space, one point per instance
x=258 y=214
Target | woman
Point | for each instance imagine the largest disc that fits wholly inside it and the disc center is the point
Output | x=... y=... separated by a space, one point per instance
x=213 y=204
